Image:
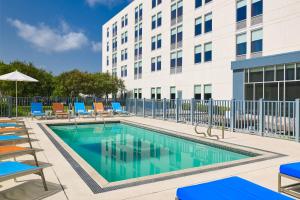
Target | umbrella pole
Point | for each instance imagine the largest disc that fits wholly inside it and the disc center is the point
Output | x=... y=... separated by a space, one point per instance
x=16 y=99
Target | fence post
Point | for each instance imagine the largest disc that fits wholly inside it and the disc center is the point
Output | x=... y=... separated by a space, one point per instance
x=192 y=107
x=177 y=110
x=153 y=107
x=9 y=106
x=261 y=120
x=297 y=120
x=210 y=112
x=143 y=107
x=232 y=115
x=164 y=109
x=135 y=106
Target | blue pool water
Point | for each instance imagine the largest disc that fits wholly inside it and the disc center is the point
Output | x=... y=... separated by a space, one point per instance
x=120 y=151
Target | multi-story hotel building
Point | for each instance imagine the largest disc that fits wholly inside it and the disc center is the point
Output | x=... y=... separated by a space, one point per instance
x=220 y=49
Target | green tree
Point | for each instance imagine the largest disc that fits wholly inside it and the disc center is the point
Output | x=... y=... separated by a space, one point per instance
x=44 y=87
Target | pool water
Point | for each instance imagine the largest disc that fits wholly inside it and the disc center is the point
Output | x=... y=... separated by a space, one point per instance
x=119 y=151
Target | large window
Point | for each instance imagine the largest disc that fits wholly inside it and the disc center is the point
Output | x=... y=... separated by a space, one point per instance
x=208 y=52
x=197 y=58
x=176 y=62
x=277 y=82
x=197 y=92
x=256 y=8
x=207 y=92
x=256 y=41
x=208 y=23
x=241 y=10
x=198 y=26
x=241 y=44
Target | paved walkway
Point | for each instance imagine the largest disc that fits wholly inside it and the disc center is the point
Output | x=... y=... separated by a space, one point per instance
x=263 y=173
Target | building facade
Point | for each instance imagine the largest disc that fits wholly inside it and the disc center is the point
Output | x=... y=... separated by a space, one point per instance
x=202 y=49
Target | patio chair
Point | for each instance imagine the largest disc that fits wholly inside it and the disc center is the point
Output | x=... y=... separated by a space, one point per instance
x=99 y=109
x=229 y=188
x=37 y=110
x=80 y=110
x=12 y=169
x=58 y=110
x=7 y=152
x=116 y=106
x=289 y=171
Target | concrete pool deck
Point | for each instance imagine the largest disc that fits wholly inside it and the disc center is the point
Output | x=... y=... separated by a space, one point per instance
x=263 y=172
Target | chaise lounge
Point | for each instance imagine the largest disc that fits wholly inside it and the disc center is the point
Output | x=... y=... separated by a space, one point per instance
x=37 y=110
x=290 y=171
x=229 y=188
x=116 y=106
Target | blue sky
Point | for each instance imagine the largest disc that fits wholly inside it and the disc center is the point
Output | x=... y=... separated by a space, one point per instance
x=57 y=35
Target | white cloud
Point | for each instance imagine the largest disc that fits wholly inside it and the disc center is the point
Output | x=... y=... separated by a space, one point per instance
x=107 y=3
x=96 y=46
x=48 y=39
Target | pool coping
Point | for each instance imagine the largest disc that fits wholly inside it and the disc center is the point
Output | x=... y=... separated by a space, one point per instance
x=99 y=184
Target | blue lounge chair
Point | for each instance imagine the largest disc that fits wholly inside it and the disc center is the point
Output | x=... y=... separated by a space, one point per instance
x=37 y=110
x=80 y=109
x=290 y=171
x=12 y=169
x=229 y=188
x=2 y=125
x=116 y=106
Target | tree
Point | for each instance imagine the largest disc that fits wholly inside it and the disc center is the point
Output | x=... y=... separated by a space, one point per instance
x=44 y=87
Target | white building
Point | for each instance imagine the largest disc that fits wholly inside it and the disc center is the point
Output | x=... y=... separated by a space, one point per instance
x=220 y=49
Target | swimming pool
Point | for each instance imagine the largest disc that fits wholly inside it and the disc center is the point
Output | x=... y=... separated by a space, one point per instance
x=121 y=151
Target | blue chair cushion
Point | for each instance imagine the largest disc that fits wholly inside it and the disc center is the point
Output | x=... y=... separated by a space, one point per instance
x=9 y=137
x=12 y=167
x=8 y=124
x=291 y=169
x=230 y=188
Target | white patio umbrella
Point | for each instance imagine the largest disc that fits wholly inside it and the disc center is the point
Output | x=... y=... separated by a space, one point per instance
x=17 y=77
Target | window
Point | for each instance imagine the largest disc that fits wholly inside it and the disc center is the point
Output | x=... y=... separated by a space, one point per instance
x=198 y=26
x=179 y=10
x=140 y=93
x=153 y=3
x=158 y=41
x=141 y=12
x=256 y=41
x=107 y=32
x=256 y=8
x=197 y=92
x=122 y=22
x=107 y=46
x=140 y=49
x=298 y=71
x=152 y=93
x=153 y=40
x=124 y=71
x=176 y=62
x=153 y=26
x=114 y=72
x=198 y=3
x=256 y=75
x=158 y=93
x=153 y=60
x=136 y=51
x=173 y=12
x=135 y=93
x=136 y=32
x=269 y=74
x=241 y=44
x=208 y=23
x=207 y=52
x=179 y=36
x=136 y=14
x=207 y=1
x=107 y=60
x=279 y=72
x=197 y=56
x=173 y=36
x=126 y=20
x=241 y=10
x=159 y=19
x=158 y=63
x=140 y=31
x=173 y=92
x=207 y=92
x=290 y=72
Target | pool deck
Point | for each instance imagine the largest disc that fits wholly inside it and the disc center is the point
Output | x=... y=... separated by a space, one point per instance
x=263 y=172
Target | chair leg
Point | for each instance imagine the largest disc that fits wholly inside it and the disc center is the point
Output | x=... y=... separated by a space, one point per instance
x=44 y=180
x=279 y=182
